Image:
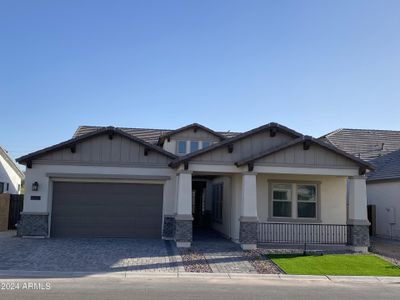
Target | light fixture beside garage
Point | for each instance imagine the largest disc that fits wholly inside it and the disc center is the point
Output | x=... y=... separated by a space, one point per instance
x=35 y=186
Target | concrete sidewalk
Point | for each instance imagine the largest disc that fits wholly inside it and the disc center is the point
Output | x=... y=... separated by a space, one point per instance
x=8 y=274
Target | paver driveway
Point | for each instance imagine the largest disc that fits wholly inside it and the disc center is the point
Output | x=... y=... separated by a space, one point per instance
x=87 y=255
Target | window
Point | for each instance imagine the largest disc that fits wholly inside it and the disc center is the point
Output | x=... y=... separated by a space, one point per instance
x=194 y=146
x=181 y=147
x=1 y=187
x=206 y=144
x=7 y=187
x=282 y=200
x=306 y=201
x=294 y=200
x=217 y=201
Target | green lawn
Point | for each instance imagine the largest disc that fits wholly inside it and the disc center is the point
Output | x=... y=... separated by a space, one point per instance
x=335 y=264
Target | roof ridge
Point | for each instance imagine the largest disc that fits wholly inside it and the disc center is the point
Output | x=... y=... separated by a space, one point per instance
x=146 y=128
x=332 y=132
x=365 y=129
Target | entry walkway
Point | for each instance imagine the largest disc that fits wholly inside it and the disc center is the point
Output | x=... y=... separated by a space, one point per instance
x=222 y=255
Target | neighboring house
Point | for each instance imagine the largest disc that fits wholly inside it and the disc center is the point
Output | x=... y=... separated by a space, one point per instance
x=262 y=185
x=10 y=176
x=382 y=149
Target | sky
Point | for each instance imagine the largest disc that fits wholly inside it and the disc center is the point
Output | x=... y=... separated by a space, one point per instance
x=313 y=66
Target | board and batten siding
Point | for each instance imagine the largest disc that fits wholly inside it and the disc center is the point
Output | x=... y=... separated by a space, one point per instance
x=101 y=150
x=199 y=135
x=243 y=148
x=315 y=156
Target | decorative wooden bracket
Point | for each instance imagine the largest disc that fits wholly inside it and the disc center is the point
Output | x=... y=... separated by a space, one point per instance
x=230 y=148
x=306 y=144
x=362 y=171
x=168 y=138
x=111 y=135
x=273 y=131
x=146 y=151
x=250 y=166
x=186 y=165
x=29 y=164
x=73 y=148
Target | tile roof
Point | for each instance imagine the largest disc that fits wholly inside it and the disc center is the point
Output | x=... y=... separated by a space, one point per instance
x=366 y=144
x=147 y=134
x=379 y=147
x=387 y=167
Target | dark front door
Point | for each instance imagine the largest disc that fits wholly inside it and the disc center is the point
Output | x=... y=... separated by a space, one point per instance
x=198 y=203
x=91 y=209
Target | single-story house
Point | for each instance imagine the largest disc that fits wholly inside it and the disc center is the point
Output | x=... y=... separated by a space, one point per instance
x=382 y=149
x=263 y=185
x=11 y=176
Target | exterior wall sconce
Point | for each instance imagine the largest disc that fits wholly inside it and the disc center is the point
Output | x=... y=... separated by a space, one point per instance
x=35 y=186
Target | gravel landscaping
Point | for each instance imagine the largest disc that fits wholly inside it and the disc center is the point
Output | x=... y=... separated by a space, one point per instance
x=261 y=262
x=193 y=261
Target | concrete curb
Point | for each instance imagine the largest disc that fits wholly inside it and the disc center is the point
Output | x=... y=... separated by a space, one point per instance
x=9 y=274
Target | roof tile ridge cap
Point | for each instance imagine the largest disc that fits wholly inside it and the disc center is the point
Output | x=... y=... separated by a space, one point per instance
x=143 y=128
x=333 y=132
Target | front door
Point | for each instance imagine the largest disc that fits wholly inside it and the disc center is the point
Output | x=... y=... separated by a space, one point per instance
x=198 y=205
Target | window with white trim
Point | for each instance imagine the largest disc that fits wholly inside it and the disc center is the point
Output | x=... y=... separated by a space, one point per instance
x=294 y=200
x=306 y=201
x=188 y=146
x=194 y=146
x=282 y=200
x=182 y=147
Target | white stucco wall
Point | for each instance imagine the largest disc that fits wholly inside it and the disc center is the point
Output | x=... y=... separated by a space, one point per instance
x=39 y=173
x=8 y=175
x=386 y=195
x=225 y=226
x=236 y=196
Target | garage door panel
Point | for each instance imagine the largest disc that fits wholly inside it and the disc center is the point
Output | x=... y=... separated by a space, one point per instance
x=106 y=210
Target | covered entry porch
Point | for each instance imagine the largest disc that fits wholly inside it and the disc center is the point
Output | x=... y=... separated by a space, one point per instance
x=272 y=205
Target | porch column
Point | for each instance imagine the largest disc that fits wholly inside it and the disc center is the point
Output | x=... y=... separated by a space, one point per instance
x=183 y=217
x=358 y=224
x=248 y=212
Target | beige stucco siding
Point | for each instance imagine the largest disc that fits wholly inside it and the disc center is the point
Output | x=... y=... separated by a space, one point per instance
x=243 y=148
x=332 y=195
x=101 y=150
x=386 y=195
x=315 y=156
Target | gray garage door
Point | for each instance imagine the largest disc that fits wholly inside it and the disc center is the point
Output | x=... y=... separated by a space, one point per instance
x=106 y=210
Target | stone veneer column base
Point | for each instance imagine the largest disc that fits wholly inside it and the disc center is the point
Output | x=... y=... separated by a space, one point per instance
x=168 y=227
x=183 y=231
x=358 y=235
x=33 y=225
x=248 y=235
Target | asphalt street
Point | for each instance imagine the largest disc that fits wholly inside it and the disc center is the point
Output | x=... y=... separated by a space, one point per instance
x=192 y=288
